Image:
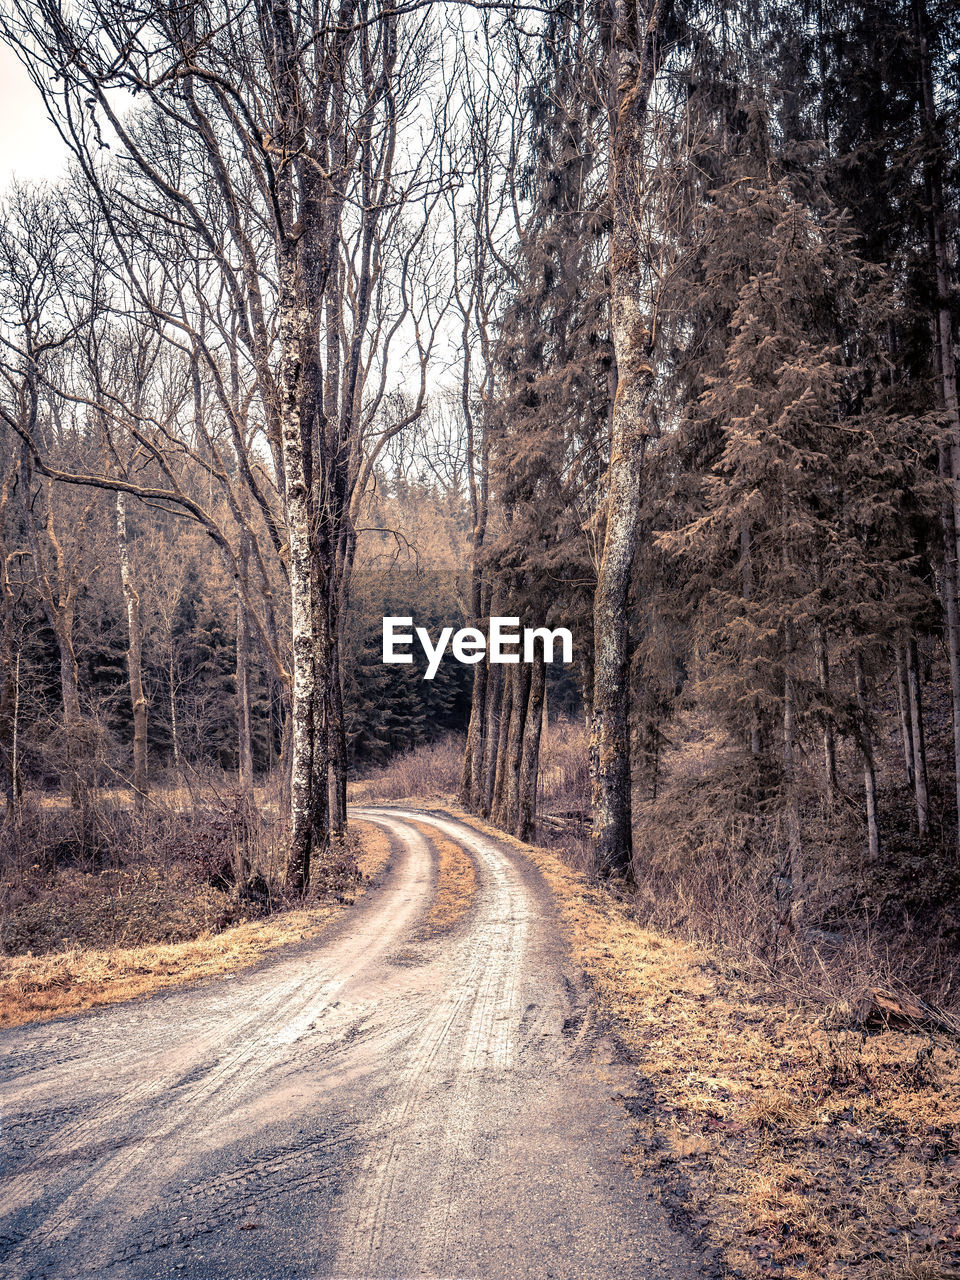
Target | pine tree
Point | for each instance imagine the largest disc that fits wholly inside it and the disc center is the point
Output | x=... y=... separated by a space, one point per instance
x=798 y=531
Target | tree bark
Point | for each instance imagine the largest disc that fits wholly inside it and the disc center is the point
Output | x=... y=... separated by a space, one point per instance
x=530 y=760
x=299 y=527
x=510 y=807
x=172 y=692
x=829 y=739
x=472 y=772
x=500 y=756
x=903 y=701
x=337 y=738
x=866 y=751
x=491 y=740
x=951 y=615
x=746 y=587
x=791 y=864
x=950 y=454
x=472 y=789
x=9 y=666
x=244 y=726
x=634 y=58
x=138 y=701
x=789 y=706
x=920 y=788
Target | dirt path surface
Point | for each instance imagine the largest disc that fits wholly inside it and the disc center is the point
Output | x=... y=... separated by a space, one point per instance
x=379 y=1102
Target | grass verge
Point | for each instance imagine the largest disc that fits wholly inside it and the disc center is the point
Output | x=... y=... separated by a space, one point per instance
x=456 y=883
x=794 y=1145
x=35 y=988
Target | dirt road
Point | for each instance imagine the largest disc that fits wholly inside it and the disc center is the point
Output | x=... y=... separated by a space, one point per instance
x=378 y=1102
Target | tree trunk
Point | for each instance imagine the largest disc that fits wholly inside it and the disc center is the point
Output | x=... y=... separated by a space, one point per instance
x=530 y=760
x=920 y=788
x=866 y=750
x=951 y=613
x=16 y=782
x=483 y=694
x=790 y=864
x=634 y=57
x=9 y=668
x=500 y=759
x=906 y=725
x=9 y=727
x=77 y=760
x=829 y=740
x=138 y=702
x=950 y=454
x=491 y=740
x=174 y=730
x=322 y=777
x=472 y=772
x=789 y=706
x=299 y=520
x=471 y=778
x=746 y=587
x=510 y=808
x=337 y=739
x=244 y=728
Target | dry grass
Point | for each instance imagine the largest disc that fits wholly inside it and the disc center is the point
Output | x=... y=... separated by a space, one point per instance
x=35 y=988
x=456 y=883
x=795 y=1148
x=427 y=772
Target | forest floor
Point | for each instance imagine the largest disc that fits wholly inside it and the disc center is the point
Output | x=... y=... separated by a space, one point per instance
x=791 y=1142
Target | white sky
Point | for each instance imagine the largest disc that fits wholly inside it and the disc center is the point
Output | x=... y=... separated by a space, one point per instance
x=30 y=147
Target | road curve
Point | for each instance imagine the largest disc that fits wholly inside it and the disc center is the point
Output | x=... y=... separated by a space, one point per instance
x=379 y=1102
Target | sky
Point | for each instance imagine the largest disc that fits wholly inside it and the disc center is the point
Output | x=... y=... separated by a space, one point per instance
x=30 y=147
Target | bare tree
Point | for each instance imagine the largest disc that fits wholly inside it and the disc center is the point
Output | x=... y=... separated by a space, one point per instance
x=266 y=161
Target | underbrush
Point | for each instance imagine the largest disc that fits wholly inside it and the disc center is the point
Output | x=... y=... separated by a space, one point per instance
x=85 y=939
x=429 y=770
x=797 y=1135
x=710 y=866
x=110 y=874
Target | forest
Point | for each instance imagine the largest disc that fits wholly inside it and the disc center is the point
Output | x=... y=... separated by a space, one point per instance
x=639 y=321
x=632 y=317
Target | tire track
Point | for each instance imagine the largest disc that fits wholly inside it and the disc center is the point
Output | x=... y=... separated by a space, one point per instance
x=473 y=1022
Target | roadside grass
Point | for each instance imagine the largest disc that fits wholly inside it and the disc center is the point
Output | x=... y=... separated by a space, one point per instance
x=429 y=771
x=794 y=1144
x=456 y=883
x=37 y=987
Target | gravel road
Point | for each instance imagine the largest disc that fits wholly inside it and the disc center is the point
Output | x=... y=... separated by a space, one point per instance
x=373 y=1103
